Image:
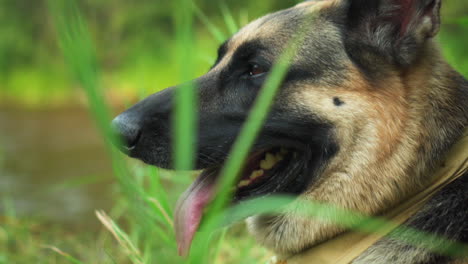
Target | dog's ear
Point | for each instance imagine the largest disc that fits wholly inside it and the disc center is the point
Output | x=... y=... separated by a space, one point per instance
x=397 y=29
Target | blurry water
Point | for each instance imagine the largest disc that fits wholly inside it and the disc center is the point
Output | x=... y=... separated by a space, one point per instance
x=53 y=165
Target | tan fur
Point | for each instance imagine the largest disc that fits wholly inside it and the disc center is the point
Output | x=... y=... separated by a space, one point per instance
x=381 y=130
x=259 y=29
x=381 y=127
x=317 y=5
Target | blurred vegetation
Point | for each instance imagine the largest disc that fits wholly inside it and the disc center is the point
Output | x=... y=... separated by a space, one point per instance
x=134 y=43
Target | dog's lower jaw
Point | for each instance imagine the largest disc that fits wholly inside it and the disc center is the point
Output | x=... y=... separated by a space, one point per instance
x=288 y=235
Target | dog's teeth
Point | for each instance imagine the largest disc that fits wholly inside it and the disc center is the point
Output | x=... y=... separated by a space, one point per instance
x=267 y=164
x=243 y=183
x=256 y=174
x=270 y=160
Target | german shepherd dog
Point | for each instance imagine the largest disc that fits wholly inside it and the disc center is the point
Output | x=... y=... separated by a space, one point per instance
x=367 y=110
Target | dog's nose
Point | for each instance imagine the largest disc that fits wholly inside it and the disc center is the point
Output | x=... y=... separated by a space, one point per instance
x=128 y=130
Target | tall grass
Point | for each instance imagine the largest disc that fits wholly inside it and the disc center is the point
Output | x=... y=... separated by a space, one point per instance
x=78 y=52
x=244 y=142
x=185 y=116
x=151 y=239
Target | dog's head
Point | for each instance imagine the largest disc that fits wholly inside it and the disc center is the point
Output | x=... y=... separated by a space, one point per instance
x=340 y=111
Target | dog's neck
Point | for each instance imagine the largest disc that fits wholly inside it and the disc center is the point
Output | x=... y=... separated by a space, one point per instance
x=439 y=113
x=415 y=133
x=434 y=118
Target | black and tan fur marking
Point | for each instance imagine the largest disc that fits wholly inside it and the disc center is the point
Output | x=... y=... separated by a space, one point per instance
x=368 y=109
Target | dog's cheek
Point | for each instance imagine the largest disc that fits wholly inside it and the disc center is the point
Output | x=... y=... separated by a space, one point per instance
x=345 y=118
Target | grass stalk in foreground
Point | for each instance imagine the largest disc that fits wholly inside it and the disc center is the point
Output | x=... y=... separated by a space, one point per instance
x=346 y=218
x=132 y=252
x=217 y=34
x=78 y=51
x=184 y=118
x=228 y=18
x=254 y=123
x=245 y=140
x=64 y=254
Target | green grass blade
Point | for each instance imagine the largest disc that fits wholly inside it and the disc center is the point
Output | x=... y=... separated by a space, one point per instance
x=131 y=250
x=157 y=190
x=217 y=34
x=228 y=18
x=345 y=218
x=79 y=53
x=219 y=242
x=64 y=255
x=246 y=139
x=184 y=118
x=254 y=123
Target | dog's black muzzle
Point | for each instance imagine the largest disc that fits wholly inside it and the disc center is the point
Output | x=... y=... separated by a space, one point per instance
x=145 y=120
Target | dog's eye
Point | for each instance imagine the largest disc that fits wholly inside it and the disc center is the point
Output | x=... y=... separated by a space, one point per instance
x=256 y=70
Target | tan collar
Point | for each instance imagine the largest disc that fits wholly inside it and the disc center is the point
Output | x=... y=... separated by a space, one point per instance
x=348 y=246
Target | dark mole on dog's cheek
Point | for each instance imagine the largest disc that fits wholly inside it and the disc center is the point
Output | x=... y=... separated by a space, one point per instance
x=337 y=101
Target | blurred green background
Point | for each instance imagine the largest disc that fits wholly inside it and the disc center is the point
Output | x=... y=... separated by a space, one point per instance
x=54 y=171
x=134 y=42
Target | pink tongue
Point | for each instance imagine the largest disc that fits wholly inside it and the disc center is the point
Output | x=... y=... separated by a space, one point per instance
x=189 y=211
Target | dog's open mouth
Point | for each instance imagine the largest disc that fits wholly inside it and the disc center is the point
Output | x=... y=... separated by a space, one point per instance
x=266 y=172
x=260 y=167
